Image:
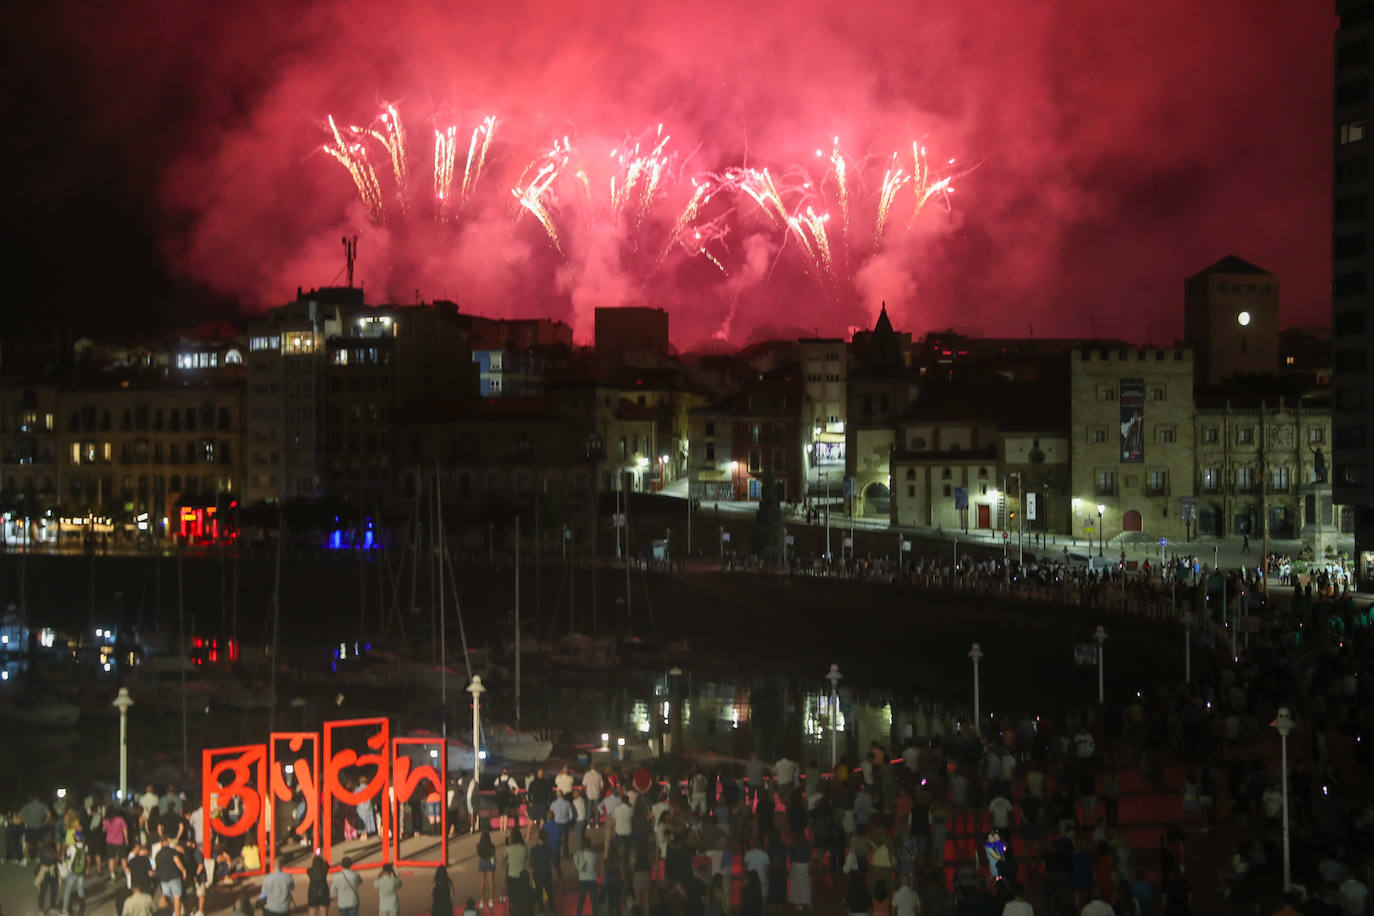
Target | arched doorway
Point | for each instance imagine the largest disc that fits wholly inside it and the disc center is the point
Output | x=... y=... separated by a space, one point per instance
x=877 y=499
x=1130 y=521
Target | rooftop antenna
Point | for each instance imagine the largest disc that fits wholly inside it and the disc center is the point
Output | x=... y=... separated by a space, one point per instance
x=351 y=253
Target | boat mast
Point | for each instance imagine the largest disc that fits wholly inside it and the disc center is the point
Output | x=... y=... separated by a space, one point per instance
x=517 y=623
x=443 y=644
x=276 y=623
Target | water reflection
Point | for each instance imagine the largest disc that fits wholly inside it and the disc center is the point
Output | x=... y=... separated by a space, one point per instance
x=732 y=715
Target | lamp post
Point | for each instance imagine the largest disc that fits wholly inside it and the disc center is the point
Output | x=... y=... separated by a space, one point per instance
x=476 y=689
x=1099 y=637
x=1284 y=723
x=122 y=703
x=1100 y=509
x=834 y=677
x=976 y=653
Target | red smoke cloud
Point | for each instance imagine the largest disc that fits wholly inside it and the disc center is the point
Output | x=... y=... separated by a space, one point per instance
x=1118 y=150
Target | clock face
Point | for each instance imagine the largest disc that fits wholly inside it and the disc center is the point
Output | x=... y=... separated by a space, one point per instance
x=1243 y=319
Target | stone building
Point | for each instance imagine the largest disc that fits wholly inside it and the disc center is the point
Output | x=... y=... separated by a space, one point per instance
x=1231 y=321
x=880 y=387
x=1131 y=437
x=983 y=454
x=1257 y=459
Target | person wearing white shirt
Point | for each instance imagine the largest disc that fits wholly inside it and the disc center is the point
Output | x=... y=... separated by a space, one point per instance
x=784 y=773
x=584 y=860
x=1018 y=905
x=1097 y=906
x=1000 y=809
x=1353 y=896
x=906 y=902
x=563 y=782
x=593 y=783
x=756 y=860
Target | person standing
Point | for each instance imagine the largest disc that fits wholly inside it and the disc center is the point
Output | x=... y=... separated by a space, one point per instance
x=171 y=874
x=563 y=782
x=388 y=886
x=560 y=820
x=46 y=876
x=505 y=797
x=116 y=831
x=317 y=887
x=441 y=898
x=581 y=812
x=538 y=796
x=138 y=903
x=906 y=902
x=585 y=861
x=343 y=888
x=541 y=870
x=799 y=874
x=592 y=785
x=486 y=870
x=275 y=894
x=517 y=859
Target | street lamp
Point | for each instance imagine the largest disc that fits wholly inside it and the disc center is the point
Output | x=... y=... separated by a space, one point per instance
x=476 y=689
x=1099 y=637
x=976 y=653
x=1284 y=723
x=122 y=703
x=834 y=677
x=1100 y=509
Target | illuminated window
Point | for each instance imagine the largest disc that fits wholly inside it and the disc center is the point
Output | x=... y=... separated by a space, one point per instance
x=1352 y=131
x=76 y=453
x=1210 y=477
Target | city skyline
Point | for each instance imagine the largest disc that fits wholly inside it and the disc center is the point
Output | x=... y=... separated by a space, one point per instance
x=194 y=184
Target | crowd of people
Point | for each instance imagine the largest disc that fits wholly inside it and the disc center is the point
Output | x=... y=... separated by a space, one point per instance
x=1021 y=815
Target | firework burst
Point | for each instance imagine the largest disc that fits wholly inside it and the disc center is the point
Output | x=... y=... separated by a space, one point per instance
x=638 y=197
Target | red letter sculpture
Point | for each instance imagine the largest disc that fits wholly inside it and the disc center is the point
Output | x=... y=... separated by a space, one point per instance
x=288 y=750
x=407 y=779
x=229 y=774
x=378 y=755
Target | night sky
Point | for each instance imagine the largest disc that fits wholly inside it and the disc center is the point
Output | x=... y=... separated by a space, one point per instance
x=166 y=164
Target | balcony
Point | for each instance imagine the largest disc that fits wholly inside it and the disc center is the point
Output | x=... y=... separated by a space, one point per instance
x=1157 y=491
x=1101 y=490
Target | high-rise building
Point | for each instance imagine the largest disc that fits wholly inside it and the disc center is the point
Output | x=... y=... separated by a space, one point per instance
x=1231 y=321
x=1352 y=303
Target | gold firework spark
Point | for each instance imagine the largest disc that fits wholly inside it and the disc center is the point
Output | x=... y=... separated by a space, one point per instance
x=444 y=157
x=353 y=157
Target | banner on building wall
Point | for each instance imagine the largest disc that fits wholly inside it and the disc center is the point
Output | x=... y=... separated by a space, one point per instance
x=1132 y=420
x=1032 y=507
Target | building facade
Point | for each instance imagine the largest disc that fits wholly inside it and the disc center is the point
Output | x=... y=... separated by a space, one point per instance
x=1352 y=304
x=1231 y=321
x=1265 y=462
x=1132 y=441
